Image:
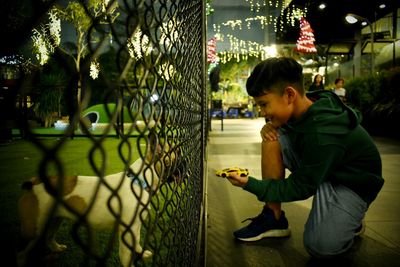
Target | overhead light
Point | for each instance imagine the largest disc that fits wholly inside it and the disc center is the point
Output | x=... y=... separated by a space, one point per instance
x=382 y=6
x=322 y=6
x=351 y=19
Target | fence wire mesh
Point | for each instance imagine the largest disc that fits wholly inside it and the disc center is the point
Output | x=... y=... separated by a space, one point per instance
x=130 y=73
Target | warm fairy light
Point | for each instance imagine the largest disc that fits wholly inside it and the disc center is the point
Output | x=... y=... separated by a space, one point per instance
x=263 y=20
x=209 y=8
x=137 y=44
x=233 y=24
x=260 y=21
x=240 y=49
x=256 y=5
x=167 y=71
x=94 y=69
x=40 y=45
x=296 y=14
x=169 y=33
x=44 y=43
x=292 y=15
x=219 y=36
x=55 y=27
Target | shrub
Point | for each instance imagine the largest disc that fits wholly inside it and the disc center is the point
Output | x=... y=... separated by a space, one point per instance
x=362 y=92
x=378 y=99
x=49 y=101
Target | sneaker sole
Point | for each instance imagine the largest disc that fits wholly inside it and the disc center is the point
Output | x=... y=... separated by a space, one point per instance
x=270 y=233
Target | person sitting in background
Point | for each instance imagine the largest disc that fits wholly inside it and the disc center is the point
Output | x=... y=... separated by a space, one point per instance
x=317 y=83
x=339 y=90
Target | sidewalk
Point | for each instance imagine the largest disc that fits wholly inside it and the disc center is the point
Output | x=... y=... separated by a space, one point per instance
x=239 y=145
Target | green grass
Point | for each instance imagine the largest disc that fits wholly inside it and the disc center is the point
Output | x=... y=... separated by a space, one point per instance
x=99 y=131
x=19 y=162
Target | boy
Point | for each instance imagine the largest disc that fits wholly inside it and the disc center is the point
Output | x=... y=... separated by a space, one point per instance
x=330 y=156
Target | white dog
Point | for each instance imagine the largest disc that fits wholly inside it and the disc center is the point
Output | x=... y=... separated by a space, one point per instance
x=78 y=192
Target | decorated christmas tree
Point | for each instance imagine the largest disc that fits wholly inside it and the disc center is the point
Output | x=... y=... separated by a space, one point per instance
x=305 y=43
x=212 y=50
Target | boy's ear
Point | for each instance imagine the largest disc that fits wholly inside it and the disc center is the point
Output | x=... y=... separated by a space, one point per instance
x=291 y=93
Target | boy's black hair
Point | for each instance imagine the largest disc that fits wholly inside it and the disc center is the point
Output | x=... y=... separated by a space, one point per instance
x=275 y=74
x=338 y=80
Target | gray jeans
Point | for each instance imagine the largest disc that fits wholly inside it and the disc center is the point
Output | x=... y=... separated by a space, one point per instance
x=335 y=215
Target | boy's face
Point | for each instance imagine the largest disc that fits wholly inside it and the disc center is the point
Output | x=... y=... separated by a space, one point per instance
x=278 y=109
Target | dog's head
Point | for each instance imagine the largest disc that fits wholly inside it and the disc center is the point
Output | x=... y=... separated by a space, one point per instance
x=165 y=156
x=157 y=165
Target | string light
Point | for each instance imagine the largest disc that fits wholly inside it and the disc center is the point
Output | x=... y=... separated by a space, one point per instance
x=55 y=27
x=167 y=71
x=39 y=43
x=257 y=5
x=169 y=33
x=137 y=43
x=240 y=49
x=94 y=69
x=45 y=43
x=263 y=20
x=233 y=24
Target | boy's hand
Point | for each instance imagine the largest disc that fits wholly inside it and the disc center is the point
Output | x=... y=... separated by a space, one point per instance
x=237 y=180
x=269 y=132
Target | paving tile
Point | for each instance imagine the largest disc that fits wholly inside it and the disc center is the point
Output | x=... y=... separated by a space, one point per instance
x=239 y=145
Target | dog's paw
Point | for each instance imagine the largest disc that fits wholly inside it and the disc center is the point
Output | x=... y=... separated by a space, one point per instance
x=147 y=254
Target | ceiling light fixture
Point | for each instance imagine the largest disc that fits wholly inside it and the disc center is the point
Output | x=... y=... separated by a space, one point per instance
x=353 y=18
x=322 y=6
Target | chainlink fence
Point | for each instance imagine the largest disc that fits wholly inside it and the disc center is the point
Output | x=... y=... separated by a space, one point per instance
x=132 y=72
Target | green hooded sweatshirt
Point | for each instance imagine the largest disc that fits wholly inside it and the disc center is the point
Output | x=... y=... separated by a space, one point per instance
x=332 y=146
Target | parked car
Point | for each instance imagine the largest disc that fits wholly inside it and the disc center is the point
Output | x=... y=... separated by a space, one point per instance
x=239 y=112
x=218 y=113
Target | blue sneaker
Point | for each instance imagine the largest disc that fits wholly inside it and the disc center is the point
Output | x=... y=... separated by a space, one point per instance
x=264 y=225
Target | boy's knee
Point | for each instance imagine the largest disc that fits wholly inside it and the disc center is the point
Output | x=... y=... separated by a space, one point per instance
x=325 y=246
